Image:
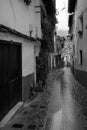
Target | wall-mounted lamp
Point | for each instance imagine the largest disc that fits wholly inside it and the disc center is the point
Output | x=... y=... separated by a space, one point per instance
x=27 y=2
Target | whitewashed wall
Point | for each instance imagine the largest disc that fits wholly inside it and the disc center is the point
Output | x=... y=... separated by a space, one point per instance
x=17 y=15
x=80 y=43
x=27 y=52
x=27 y=59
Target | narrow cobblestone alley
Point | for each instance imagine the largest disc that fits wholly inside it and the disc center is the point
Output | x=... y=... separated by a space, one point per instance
x=54 y=121
x=43 y=64
x=68 y=104
x=62 y=106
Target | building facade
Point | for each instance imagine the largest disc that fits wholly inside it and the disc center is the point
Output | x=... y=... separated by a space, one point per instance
x=78 y=30
x=20 y=34
x=58 y=50
x=47 y=45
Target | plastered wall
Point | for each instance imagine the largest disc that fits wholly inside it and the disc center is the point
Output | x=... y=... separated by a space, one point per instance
x=27 y=52
x=17 y=15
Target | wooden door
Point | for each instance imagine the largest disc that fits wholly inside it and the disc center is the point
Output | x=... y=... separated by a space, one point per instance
x=10 y=75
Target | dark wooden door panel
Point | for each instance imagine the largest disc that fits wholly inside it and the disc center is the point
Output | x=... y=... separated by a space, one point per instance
x=10 y=75
x=14 y=75
x=14 y=91
x=5 y=63
x=1 y=87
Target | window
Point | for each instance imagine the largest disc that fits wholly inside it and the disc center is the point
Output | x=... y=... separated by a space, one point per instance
x=80 y=29
x=81 y=57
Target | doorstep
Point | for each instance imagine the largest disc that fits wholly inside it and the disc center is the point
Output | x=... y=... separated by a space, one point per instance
x=10 y=114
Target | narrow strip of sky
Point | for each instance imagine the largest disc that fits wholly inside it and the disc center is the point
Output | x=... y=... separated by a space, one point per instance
x=61 y=6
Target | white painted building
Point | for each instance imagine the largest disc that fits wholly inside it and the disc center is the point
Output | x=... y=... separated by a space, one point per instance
x=78 y=27
x=20 y=27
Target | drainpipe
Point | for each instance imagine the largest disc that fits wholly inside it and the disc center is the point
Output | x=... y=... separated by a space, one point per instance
x=51 y=62
x=34 y=64
x=54 y=62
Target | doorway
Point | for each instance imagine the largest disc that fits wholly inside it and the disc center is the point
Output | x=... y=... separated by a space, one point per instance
x=10 y=75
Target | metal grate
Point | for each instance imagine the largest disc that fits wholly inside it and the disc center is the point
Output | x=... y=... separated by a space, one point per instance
x=42 y=106
x=32 y=127
x=17 y=125
x=33 y=105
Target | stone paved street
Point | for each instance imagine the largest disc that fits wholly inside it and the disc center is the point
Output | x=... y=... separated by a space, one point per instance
x=68 y=104
x=33 y=115
x=62 y=106
x=74 y=102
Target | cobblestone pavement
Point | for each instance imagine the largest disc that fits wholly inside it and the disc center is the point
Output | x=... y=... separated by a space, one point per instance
x=62 y=106
x=74 y=102
x=33 y=115
x=68 y=104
